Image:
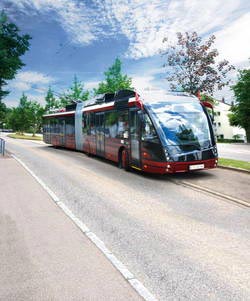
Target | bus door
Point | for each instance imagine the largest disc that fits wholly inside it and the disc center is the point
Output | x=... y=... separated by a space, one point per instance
x=99 y=122
x=135 y=138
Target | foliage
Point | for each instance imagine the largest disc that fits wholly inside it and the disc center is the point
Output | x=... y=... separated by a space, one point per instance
x=51 y=102
x=27 y=116
x=12 y=47
x=35 y=111
x=236 y=137
x=235 y=140
x=240 y=115
x=114 y=80
x=3 y=113
x=17 y=119
x=75 y=93
x=194 y=66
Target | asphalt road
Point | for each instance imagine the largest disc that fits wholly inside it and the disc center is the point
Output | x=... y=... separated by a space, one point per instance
x=181 y=243
x=234 y=151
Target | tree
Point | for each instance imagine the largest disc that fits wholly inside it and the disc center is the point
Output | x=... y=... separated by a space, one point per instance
x=114 y=80
x=12 y=47
x=194 y=66
x=27 y=116
x=51 y=102
x=76 y=92
x=18 y=118
x=35 y=112
x=240 y=115
x=3 y=113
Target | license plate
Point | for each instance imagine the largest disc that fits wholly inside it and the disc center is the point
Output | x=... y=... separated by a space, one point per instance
x=196 y=166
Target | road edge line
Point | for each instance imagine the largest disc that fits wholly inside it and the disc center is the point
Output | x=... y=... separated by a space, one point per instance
x=118 y=265
x=228 y=197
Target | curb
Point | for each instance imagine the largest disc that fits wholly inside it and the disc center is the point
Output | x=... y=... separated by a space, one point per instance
x=119 y=266
x=224 y=196
x=234 y=168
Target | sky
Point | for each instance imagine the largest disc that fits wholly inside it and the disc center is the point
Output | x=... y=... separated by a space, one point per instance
x=83 y=38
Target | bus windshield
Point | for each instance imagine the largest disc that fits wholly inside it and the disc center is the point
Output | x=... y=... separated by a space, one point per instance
x=183 y=123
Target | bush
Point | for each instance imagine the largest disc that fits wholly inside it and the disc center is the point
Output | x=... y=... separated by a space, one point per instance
x=230 y=140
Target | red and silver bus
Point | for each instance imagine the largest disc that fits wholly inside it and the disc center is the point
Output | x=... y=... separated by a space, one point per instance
x=155 y=132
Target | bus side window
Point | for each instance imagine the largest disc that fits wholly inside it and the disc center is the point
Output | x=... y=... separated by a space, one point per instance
x=61 y=123
x=70 y=126
x=122 y=126
x=52 y=128
x=148 y=130
x=111 y=119
x=91 y=130
x=85 y=123
x=45 y=126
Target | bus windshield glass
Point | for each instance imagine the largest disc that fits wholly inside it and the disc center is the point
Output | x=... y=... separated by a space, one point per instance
x=183 y=122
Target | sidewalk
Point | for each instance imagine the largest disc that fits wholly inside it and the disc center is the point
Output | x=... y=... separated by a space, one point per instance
x=43 y=255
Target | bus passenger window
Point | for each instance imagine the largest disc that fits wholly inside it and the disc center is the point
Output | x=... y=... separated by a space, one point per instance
x=122 y=126
x=85 y=124
x=70 y=126
x=91 y=130
x=111 y=119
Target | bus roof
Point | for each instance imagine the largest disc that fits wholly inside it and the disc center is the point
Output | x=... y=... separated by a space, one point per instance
x=145 y=97
x=156 y=96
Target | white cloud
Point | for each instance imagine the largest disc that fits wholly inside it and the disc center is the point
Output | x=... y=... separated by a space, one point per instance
x=148 y=81
x=19 y=85
x=80 y=21
x=141 y=83
x=12 y=101
x=233 y=42
x=143 y=22
x=34 y=77
x=27 y=80
x=38 y=98
x=146 y=23
x=91 y=85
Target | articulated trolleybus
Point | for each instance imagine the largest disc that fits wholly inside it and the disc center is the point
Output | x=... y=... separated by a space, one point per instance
x=155 y=132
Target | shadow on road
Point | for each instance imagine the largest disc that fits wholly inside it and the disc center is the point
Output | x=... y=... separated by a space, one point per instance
x=202 y=174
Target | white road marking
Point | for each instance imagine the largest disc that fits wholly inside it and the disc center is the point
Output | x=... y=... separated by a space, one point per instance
x=135 y=283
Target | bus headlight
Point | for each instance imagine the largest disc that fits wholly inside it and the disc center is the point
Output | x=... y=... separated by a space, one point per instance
x=215 y=151
x=167 y=155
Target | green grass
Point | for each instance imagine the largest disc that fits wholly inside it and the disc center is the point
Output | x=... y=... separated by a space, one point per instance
x=234 y=163
x=26 y=137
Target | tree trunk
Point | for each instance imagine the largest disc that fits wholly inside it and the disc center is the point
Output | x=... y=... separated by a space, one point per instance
x=248 y=134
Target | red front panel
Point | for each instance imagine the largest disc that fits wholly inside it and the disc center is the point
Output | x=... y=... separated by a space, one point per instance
x=173 y=167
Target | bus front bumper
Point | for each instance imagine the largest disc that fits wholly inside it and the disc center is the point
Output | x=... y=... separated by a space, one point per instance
x=174 y=167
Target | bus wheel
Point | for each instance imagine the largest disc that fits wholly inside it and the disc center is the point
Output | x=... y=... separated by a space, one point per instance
x=124 y=160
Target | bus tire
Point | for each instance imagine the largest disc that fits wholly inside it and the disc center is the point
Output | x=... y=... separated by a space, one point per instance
x=124 y=160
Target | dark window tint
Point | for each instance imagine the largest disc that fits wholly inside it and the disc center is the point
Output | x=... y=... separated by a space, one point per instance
x=150 y=141
x=85 y=123
x=70 y=125
x=91 y=130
